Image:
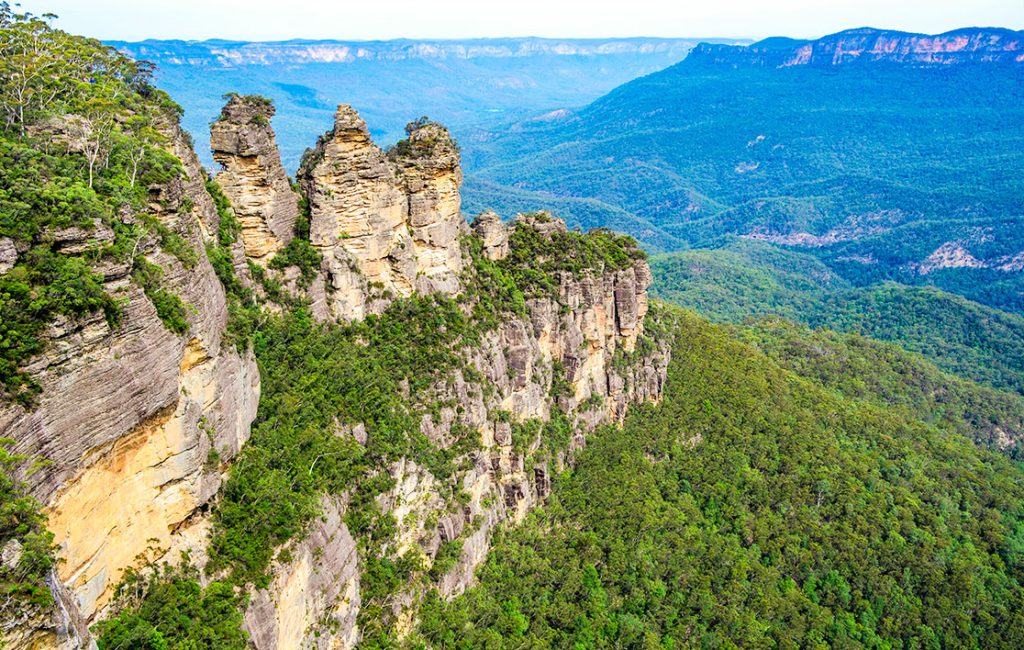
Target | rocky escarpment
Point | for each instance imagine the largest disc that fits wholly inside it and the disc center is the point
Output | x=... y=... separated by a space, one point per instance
x=866 y=45
x=134 y=421
x=219 y=54
x=582 y=337
x=532 y=388
x=252 y=176
x=387 y=225
x=140 y=424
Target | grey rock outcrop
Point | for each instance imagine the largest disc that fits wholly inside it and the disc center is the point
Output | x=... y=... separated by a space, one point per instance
x=596 y=319
x=493 y=235
x=8 y=254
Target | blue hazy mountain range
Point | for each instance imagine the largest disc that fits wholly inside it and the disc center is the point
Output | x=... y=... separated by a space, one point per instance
x=472 y=86
x=889 y=156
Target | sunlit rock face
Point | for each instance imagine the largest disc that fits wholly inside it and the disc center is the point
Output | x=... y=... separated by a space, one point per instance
x=253 y=177
x=313 y=599
x=388 y=225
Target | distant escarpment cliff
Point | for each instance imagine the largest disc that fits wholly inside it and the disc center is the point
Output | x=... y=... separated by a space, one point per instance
x=867 y=45
x=220 y=53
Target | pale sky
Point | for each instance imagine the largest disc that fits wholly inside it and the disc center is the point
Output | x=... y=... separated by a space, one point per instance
x=384 y=19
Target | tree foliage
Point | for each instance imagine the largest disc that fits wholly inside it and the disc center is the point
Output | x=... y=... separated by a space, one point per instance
x=23 y=588
x=81 y=140
x=753 y=509
x=165 y=608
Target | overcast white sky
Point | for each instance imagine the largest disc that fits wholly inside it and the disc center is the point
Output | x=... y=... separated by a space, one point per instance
x=381 y=19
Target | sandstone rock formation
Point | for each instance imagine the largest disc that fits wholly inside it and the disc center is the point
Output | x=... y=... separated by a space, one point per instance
x=140 y=423
x=253 y=178
x=129 y=414
x=596 y=319
x=493 y=235
x=387 y=225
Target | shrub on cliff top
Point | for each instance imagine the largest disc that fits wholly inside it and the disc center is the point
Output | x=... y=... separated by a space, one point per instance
x=536 y=259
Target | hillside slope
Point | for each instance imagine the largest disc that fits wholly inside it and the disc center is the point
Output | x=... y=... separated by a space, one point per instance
x=749 y=279
x=751 y=508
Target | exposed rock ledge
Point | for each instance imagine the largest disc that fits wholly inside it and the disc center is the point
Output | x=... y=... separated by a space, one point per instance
x=253 y=178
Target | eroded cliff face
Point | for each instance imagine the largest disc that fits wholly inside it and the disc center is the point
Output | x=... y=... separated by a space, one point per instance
x=141 y=424
x=867 y=45
x=253 y=177
x=387 y=225
x=129 y=414
x=579 y=357
x=313 y=600
x=587 y=337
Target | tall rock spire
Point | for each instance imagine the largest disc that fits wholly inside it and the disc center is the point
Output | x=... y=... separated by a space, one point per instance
x=253 y=177
x=428 y=167
x=388 y=225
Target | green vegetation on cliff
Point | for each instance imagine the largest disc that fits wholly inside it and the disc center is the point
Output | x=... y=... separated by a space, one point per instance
x=535 y=260
x=319 y=382
x=316 y=381
x=80 y=140
x=752 y=508
x=28 y=550
x=165 y=608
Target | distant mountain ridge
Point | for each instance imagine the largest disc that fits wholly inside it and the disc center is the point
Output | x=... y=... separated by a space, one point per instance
x=888 y=156
x=869 y=45
x=470 y=85
x=300 y=51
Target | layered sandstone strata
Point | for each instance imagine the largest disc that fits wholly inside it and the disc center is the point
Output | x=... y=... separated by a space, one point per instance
x=253 y=178
x=388 y=225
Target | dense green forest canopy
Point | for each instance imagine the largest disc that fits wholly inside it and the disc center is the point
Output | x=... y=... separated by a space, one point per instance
x=753 y=508
x=746 y=278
